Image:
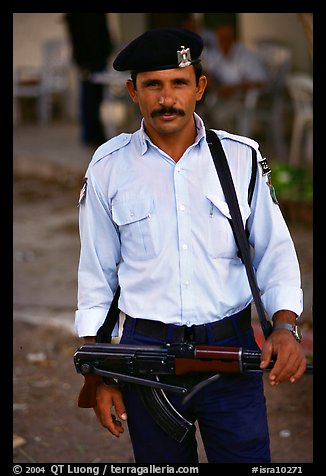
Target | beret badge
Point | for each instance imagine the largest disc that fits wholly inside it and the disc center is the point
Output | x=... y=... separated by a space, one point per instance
x=184 y=57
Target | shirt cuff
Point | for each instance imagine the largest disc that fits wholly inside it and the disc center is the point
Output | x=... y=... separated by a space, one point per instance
x=283 y=297
x=88 y=321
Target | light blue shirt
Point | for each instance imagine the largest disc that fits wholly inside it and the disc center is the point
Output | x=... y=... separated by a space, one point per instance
x=241 y=64
x=161 y=229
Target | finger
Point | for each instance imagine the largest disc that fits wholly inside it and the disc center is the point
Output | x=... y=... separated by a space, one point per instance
x=266 y=355
x=290 y=368
x=109 y=421
x=119 y=406
x=106 y=399
x=283 y=369
x=301 y=369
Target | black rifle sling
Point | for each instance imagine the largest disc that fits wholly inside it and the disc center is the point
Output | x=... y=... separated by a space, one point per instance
x=225 y=177
x=104 y=333
x=252 y=182
x=251 y=189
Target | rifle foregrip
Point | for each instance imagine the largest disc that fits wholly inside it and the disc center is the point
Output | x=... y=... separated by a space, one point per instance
x=163 y=412
x=87 y=395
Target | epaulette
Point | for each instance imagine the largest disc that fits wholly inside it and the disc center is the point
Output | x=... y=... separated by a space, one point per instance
x=244 y=140
x=265 y=169
x=110 y=146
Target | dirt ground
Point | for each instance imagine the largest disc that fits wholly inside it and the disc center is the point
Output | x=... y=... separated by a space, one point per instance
x=47 y=424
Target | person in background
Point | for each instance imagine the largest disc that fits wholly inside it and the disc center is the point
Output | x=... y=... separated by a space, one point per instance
x=154 y=221
x=190 y=22
x=232 y=70
x=91 y=48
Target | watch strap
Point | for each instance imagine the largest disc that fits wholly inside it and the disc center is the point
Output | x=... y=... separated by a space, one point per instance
x=290 y=327
x=284 y=325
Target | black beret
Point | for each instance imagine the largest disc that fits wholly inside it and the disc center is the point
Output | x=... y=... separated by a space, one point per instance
x=160 y=48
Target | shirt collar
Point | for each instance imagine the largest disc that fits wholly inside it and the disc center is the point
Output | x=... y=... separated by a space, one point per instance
x=145 y=141
x=200 y=126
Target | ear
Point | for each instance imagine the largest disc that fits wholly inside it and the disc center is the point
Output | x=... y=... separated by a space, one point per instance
x=202 y=83
x=131 y=90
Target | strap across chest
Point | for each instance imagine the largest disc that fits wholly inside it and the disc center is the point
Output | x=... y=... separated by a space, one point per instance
x=240 y=234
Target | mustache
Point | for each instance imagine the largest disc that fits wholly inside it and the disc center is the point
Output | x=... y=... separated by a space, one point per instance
x=167 y=110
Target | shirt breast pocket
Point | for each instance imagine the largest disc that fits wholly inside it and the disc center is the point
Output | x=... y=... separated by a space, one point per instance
x=138 y=232
x=221 y=242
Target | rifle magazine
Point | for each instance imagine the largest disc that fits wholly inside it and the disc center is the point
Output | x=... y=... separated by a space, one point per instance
x=164 y=413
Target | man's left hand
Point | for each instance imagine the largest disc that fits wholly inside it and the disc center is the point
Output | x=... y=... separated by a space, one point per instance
x=281 y=344
x=290 y=358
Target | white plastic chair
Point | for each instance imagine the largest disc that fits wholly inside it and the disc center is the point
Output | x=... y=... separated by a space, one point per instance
x=43 y=83
x=260 y=109
x=26 y=84
x=300 y=87
x=266 y=106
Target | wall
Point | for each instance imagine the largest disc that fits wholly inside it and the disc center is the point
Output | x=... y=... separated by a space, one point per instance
x=31 y=29
x=132 y=25
x=285 y=27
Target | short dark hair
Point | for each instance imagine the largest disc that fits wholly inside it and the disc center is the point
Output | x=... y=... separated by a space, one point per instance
x=197 y=67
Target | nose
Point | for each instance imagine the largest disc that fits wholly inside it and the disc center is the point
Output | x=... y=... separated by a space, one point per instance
x=166 y=97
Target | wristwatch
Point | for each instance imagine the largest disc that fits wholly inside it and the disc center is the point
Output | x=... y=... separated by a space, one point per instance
x=296 y=331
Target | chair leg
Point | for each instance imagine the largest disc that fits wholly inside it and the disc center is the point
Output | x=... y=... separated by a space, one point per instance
x=295 y=148
x=309 y=144
x=44 y=109
x=246 y=115
x=278 y=129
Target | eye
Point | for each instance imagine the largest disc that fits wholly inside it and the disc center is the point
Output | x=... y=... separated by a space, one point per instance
x=152 y=83
x=180 y=82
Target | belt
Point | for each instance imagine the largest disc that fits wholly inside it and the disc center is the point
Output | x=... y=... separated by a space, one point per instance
x=222 y=329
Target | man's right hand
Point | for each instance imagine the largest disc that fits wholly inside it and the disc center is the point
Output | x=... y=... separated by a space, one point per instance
x=108 y=397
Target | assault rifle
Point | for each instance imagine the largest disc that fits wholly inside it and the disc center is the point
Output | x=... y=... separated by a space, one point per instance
x=143 y=365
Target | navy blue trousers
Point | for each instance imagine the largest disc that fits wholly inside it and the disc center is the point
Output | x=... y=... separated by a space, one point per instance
x=230 y=413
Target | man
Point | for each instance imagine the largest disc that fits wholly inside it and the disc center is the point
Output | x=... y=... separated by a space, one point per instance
x=233 y=66
x=236 y=75
x=153 y=219
x=91 y=49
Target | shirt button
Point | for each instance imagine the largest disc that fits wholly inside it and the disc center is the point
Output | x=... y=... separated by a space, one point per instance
x=188 y=323
x=182 y=208
x=131 y=214
x=184 y=246
x=178 y=169
x=187 y=283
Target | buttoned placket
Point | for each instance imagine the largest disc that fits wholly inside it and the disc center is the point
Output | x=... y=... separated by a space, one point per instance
x=184 y=239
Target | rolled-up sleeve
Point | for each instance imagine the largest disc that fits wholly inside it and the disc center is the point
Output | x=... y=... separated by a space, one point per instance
x=99 y=256
x=275 y=258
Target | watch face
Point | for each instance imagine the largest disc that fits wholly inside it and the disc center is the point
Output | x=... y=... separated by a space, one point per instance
x=297 y=333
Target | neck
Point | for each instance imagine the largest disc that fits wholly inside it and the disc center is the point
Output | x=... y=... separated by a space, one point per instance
x=176 y=143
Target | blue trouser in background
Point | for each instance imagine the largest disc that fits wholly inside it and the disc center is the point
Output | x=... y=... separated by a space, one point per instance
x=231 y=414
x=90 y=100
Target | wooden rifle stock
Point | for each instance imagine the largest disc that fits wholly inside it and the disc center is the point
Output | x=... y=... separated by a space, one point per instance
x=210 y=359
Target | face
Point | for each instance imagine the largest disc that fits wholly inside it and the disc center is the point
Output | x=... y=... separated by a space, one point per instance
x=225 y=37
x=167 y=98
